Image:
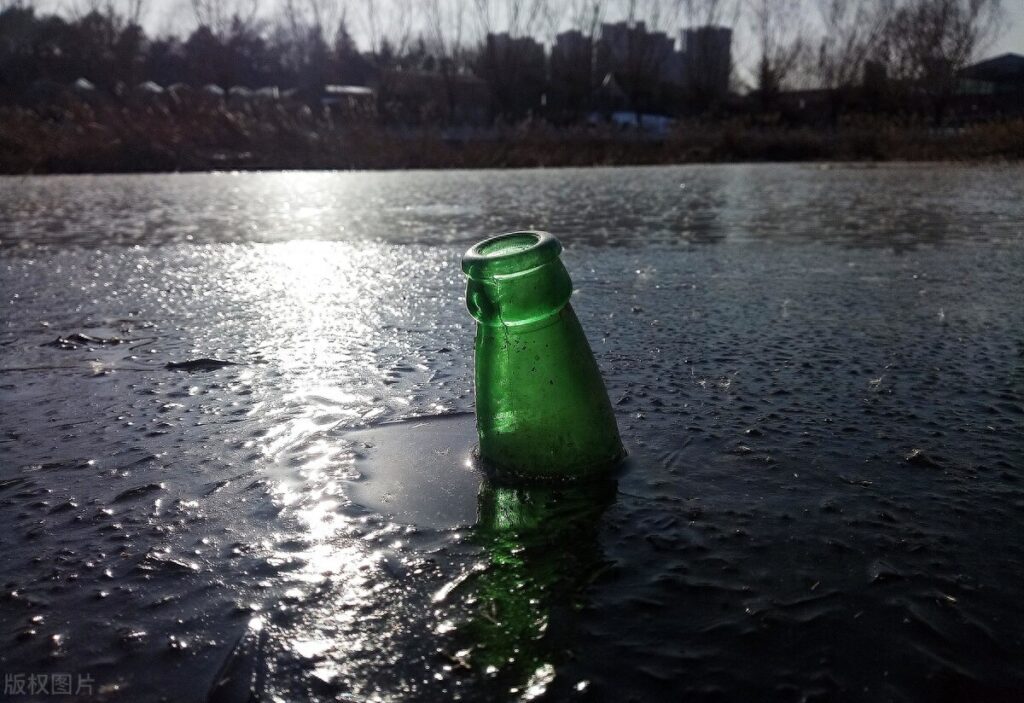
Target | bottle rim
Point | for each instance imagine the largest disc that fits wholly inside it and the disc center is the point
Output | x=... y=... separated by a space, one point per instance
x=510 y=253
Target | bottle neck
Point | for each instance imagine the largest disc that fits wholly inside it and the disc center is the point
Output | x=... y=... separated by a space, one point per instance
x=521 y=298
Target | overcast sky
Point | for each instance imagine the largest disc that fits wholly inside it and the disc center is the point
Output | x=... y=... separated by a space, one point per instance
x=1013 y=39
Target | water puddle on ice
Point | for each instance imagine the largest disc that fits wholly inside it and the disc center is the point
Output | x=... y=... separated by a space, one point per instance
x=419 y=472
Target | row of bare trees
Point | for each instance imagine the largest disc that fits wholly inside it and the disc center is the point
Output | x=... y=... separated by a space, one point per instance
x=915 y=43
x=781 y=44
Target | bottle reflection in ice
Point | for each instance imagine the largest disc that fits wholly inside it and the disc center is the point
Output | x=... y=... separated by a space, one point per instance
x=541 y=407
x=541 y=550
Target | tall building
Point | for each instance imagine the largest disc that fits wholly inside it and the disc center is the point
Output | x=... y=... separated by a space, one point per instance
x=572 y=43
x=641 y=65
x=707 y=61
x=615 y=43
x=630 y=49
x=571 y=72
x=514 y=68
x=527 y=49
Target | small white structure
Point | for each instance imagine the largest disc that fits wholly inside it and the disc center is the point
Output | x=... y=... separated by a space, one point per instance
x=348 y=98
x=149 y=87
x=269 y=92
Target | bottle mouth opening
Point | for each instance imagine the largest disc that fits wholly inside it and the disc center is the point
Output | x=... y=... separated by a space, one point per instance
x=508 y=243
x=510 y=253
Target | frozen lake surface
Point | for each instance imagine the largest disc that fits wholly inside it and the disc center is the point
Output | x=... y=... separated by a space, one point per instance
x=819 y=373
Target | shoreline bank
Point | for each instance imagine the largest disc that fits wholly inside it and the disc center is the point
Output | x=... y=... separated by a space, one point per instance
x=104 y=140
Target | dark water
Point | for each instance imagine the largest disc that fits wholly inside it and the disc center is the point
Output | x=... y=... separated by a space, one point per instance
x=819 y=374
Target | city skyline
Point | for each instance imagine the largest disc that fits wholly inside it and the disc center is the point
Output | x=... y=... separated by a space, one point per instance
x=162 y=17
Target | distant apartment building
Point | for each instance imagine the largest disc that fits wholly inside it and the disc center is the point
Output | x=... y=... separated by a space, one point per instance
x=702 y=64
x=571 y=44
x=707 y=61
x=572 y=76
x=637 y=69
x=572 y=57
x=515 y=70
x=504 y=43
x=625 y=67
x=628 y=49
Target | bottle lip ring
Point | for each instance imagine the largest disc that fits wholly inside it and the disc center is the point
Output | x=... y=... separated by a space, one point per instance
x=481 y=261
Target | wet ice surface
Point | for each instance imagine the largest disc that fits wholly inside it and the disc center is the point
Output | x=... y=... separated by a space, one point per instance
x=819 y=374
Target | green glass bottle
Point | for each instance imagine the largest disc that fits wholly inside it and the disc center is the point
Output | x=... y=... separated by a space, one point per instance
x=542 y=411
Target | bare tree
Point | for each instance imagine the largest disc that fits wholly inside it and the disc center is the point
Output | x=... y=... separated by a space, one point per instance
x=517 y=18
x=852 y=33
x=779 y=29
x=80 y=8
x=699 y=13
x=308 y=23
x=928 y=42
x=135 y=10
x=131 y=11
x=301 y=37
x=446 y=27
x=657 y=15
x=219 y=16
x=585 y=16
x=301 y=16
x=387 y=25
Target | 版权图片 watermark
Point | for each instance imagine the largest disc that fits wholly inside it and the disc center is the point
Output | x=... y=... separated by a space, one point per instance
x=56 y=684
